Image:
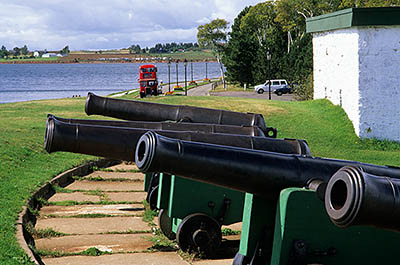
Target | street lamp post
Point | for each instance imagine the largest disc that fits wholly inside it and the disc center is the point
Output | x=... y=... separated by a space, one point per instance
x=269 y=73
x=177 y=83
x=169 y=74
x=191 y=69
x=185 y=64
x=206 y=71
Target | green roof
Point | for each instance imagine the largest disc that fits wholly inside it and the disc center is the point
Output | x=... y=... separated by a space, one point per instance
x=353 y=17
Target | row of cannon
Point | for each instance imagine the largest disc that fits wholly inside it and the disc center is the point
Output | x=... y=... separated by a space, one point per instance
x=236 y=160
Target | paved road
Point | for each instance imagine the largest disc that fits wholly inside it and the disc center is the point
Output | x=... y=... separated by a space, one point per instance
x=205 y=90
x=285 y=97
x=196 y=91
x=200 y=90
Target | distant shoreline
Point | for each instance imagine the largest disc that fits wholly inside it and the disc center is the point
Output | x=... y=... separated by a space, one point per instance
x=99 y=62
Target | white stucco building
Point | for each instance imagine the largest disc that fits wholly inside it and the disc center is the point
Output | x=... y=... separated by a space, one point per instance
x=357 y=66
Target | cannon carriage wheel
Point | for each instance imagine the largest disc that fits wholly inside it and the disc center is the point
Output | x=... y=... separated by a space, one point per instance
x=199 y=232
x=152 y=197
x=165 y=224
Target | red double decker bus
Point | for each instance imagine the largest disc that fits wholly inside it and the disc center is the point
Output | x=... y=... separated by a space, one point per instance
x=148 y=80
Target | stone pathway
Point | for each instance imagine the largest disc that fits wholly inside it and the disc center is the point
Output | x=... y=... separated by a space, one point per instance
x=98 y=220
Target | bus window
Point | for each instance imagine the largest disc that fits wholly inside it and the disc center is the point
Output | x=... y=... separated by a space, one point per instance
x=143 y=70
x=142 y=83
x=151 y=83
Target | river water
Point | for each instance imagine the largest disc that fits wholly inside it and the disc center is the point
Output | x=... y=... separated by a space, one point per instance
x=22 y=82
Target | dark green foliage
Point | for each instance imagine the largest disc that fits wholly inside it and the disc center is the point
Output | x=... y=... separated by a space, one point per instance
x=165 y=48
x=65 y=50
x=240 y=52
x=3 y=52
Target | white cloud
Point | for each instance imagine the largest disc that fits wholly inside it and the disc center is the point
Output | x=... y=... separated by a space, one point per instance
x=101 y=24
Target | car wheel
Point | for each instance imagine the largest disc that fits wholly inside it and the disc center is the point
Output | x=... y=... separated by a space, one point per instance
x=260 y=91
x=279 y=93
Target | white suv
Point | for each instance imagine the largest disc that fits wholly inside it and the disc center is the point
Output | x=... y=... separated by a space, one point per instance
x=275 y=84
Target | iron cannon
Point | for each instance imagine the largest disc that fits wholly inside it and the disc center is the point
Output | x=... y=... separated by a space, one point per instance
x=172 y=126
x=355 y=197
x=146 y=111
x=263 y=173
x=120 y=142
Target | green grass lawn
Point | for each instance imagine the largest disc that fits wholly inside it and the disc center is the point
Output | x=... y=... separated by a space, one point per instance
x=190 y=55
x=28 y=60
x=25 y=165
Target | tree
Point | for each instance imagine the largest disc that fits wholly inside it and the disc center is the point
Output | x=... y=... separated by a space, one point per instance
x=369 y=3
x=3 y=52
x=261 y=25
x=65 y=50
x=24 y=50
x=213 y=35
x=240 y=52
x=17 y=51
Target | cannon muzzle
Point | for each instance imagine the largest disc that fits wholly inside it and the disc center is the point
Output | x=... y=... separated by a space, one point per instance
x=173 y=126
x=354 y=197
x=145 y=111
x=259 y=172
x=120 y=142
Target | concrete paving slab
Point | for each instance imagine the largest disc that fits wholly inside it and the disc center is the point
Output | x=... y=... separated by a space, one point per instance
x=156 y=258
x=106 y=185
x=116 y=175
x=108 y=243
x=93 y=225
x=124 y=166
x=116 y=209
x=126 y=196
x=75 y=196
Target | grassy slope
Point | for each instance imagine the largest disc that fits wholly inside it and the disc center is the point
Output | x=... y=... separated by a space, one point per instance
x=29 y=60
x=25 y=165
x=189 y=55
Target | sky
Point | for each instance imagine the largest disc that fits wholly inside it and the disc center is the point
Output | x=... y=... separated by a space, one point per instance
x=108 y=24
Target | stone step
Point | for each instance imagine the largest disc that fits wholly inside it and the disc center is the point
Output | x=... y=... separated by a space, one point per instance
x=159 y=258
x=116 y=175
x=112 y=209
x=74 y=196
x=123 y=166
x=234 y=227
x=110 y=196
x=213 y=262
x=106 y=242
x=106 y=185
x=126 y=196
x=93 y=225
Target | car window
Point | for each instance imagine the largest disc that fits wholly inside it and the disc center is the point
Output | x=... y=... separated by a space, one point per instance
x=283 y=83
x=275 y=83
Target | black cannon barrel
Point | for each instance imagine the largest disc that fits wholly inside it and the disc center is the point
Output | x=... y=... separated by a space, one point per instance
x=134 y=110
x=254 y=171
x=354 y=197
x=120 y=142
x=173 y=126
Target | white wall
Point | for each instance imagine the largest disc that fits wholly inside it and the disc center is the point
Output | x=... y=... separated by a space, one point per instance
x=359 y=69
x=379 y=52
x=336 y=70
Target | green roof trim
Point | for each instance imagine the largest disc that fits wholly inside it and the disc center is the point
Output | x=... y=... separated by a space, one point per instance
x=354 y=17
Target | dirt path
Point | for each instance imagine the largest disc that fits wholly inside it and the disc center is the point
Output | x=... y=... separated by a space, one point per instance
x=98 y=219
